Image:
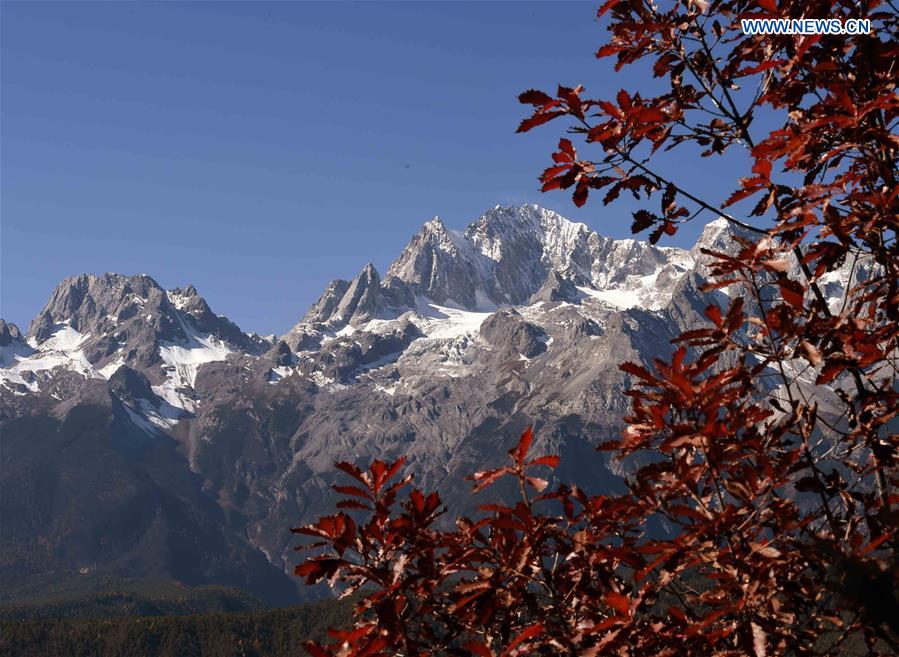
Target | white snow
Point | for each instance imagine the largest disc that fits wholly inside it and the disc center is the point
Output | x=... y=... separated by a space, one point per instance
x=64 y=339
x=387 y=391
x=278 y=373
x=172 y=393
x=164 y=417
x=440 y=322
x=618 y=298
x=139 y=420
x=184 y=358
x=177 y=300
x=61 y=349
x=110 y=368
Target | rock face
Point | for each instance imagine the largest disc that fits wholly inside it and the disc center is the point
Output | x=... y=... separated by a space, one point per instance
x=556 y=288
x=9 y=334
x=143 y=433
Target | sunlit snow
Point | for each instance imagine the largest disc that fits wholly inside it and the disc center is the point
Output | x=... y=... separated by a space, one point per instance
x=61 y=349
x=184 y=358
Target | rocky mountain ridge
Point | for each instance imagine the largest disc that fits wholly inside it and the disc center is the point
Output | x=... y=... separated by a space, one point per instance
x=167 y=416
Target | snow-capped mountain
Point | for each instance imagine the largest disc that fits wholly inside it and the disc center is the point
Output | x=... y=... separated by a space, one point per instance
x=170 y=437
x=504 y=258
x=92 y=325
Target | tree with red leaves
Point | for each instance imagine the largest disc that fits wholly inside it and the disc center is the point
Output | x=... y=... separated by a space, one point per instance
x=780 y=503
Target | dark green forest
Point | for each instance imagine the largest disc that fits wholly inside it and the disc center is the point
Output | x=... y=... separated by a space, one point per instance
x=81 y=628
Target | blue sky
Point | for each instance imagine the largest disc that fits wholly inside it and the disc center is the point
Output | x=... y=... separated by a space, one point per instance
x=260 y=150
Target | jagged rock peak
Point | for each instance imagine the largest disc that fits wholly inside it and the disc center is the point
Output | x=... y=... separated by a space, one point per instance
x=362 y=299
x=130 y=318
x=189 y=301
x=441 y=265
x=281 y=354
x=327 y=303
x=504 y=257
x=718 y=235
x=179 y=297
x=85 y=300
x=9 y=333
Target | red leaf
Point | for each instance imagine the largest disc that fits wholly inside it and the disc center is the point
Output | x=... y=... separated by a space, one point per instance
x=378 y=471
x=352 y=490
x=552 y=172
x=550 y=461
x=764 y=66
x=606 y=7
x=873 y=545
x=830 y=372
x=485 y=478
x=619 y=602
x=534 y=97
x=607 y=50
x=538 y=119
x=581 y=192
x=793 y=293
x=527 y=633
x=638 y=371
x=739 y=195
x=769 y=5
x=643 y=219
x=521 y=449
x=610 y=109
x=394 y=468
x=353 y=504
x=351 y=470
x=763 y=168
x=538 y=483
x=418 y=500
x=650 y=115
x=566 y=147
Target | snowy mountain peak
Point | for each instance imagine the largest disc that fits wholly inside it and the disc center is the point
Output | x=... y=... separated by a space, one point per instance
x=441 y=286
x=92 y=325
x=502 y=258
x=88 y=300
x=183 y=298
x=716 y=236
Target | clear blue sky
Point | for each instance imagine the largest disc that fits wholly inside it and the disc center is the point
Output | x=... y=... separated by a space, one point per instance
x=260 y=150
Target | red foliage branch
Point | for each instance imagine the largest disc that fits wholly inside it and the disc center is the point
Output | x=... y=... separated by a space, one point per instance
x=778 y=504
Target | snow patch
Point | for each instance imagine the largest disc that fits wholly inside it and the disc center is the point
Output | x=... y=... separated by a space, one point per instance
x=61 y=349
x=327 y=383
x=619 y=298
x=175 y=396
x=278 y=373
x=447 y=322
x=177 y=300
x=110 y=368
x=185 y=358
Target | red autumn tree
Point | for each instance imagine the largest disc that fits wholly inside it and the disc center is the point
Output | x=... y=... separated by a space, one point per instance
x=781 y=501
